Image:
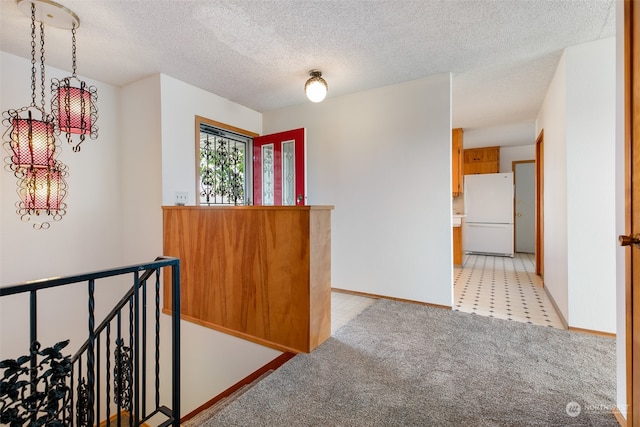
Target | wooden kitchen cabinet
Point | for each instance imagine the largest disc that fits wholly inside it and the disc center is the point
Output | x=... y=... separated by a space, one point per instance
x=456 y=162
x=457 y=246
x=481 y=160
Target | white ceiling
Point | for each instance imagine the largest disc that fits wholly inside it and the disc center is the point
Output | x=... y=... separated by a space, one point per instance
x=502 y=53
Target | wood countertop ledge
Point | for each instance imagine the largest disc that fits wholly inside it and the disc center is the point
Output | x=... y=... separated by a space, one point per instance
x=251 y=207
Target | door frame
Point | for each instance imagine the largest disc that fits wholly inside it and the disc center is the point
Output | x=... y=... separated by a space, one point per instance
x=632 y=178
x=540 y=205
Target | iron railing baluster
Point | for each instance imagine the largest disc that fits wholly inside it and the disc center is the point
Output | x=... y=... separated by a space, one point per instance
x=131 y=384
x=157 y=359
x=135 y=339
x=72 y=393
x=78 y=393
x=33 y=332
x=80 y=411
x=144 y=349
x=91 y=354
x=98 y=376
x=108 y=372
x=117 y=388
x=175 y=342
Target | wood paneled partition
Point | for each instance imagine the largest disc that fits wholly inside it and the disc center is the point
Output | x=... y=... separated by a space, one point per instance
x=261 y=273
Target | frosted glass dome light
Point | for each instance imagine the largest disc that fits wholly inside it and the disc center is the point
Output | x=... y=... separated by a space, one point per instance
x=316 y=87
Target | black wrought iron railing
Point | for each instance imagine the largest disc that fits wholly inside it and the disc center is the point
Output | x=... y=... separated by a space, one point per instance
x=114 y=377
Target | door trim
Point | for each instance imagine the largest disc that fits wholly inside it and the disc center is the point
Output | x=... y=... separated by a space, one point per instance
x=631 y=152
x=540 y=205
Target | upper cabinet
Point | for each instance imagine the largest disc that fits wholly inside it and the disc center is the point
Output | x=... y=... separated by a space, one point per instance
x=482 y=160
x=456 y=159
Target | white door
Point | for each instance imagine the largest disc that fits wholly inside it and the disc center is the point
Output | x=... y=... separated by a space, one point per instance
x=525 y=224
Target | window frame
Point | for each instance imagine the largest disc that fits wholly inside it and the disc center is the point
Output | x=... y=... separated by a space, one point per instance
x=248 y=158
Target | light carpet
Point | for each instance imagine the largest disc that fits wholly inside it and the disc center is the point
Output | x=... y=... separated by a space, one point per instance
x=401 y=364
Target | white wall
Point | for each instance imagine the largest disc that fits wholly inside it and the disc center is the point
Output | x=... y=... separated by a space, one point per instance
x=621 y=316
x=383 y=158
x=552 y=119
x=141 y=170
x=591 y=232
x=87 y=238
x=509 y=154
x=512 y=134
x=578 y=118
x=180 y=104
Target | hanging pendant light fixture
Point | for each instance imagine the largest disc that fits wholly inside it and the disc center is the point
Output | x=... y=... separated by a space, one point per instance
x=316 y=87
x=30 y=142
x=73 y=103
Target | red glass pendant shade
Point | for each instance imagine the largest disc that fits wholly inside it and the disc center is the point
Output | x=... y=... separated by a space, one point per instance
x=74 y=110
x=33 y=143
x=44 y=190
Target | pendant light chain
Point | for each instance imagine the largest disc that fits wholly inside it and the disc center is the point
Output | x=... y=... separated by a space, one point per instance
x=33 y=55
x=42 y=76
x=73 y=50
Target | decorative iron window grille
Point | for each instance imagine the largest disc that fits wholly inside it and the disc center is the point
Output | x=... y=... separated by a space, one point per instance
x=224 y=167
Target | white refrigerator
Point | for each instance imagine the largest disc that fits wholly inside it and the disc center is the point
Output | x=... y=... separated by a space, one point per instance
x=488 y=203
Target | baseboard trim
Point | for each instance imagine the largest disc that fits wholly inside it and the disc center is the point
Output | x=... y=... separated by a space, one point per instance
x=565 y=324
x=273 y=365
x=573 y=328
x=592 y=332
x=619 y=417
x=376 y=296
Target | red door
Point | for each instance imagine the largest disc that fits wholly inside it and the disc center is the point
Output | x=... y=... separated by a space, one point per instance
x=279 y=169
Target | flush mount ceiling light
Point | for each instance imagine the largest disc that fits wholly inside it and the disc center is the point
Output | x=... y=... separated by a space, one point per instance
x=316 y=87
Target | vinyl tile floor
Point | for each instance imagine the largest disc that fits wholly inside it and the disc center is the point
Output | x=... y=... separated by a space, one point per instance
x=345 y=307
x=503 y=287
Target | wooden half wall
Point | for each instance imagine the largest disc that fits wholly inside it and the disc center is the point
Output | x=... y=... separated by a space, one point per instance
x=262 y=273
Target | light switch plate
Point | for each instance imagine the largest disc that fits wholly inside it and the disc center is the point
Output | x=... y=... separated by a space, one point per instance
x=181 y=198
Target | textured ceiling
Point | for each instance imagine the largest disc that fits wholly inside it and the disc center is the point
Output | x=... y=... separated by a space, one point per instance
x=502 y=53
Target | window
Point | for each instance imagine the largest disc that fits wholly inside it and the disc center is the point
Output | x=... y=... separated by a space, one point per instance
x=224 y=163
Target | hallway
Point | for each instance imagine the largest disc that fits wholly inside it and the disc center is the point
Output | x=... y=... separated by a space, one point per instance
x=505 y=288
